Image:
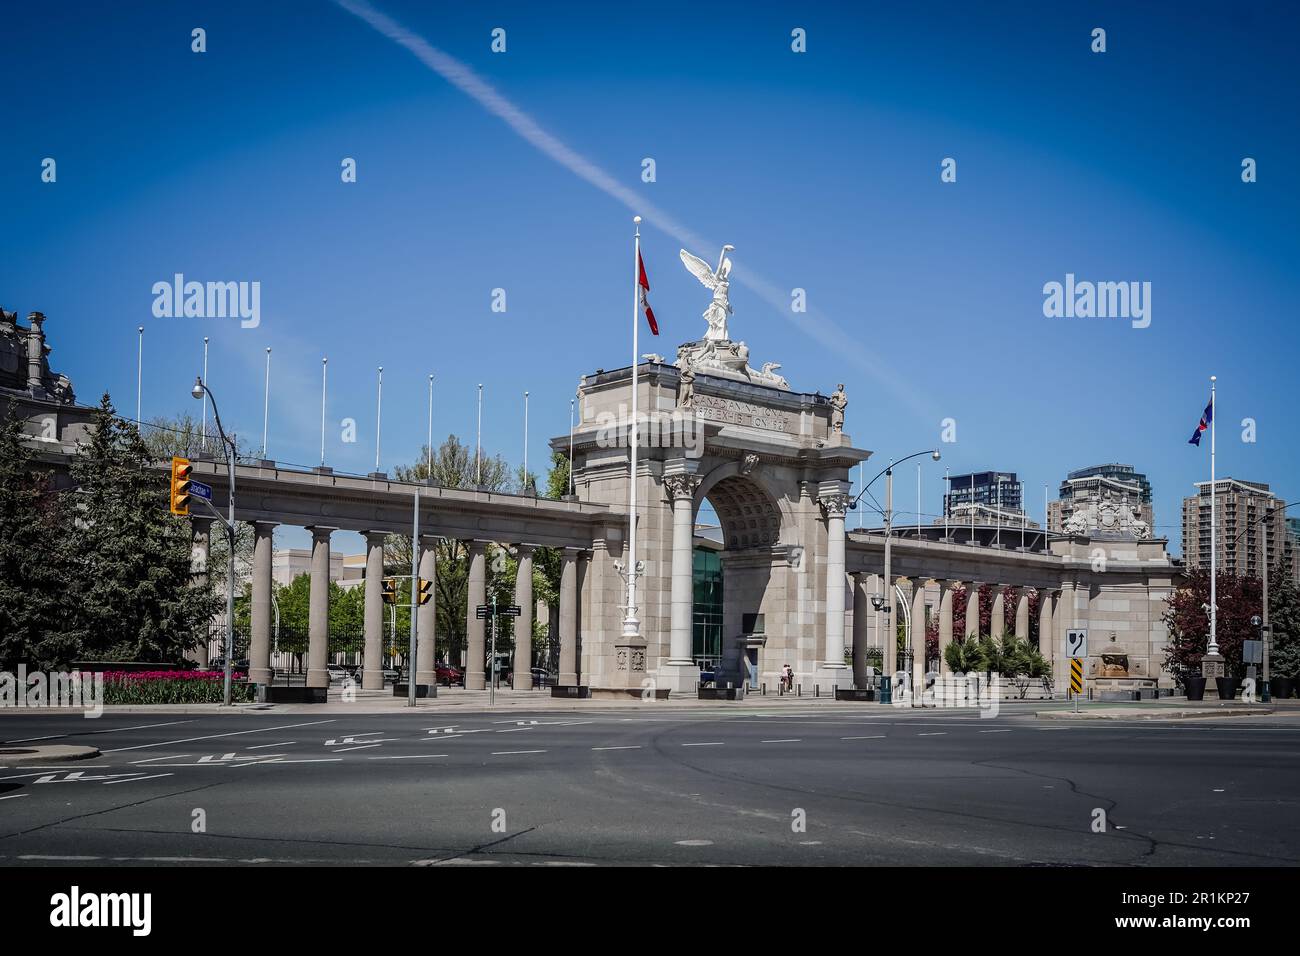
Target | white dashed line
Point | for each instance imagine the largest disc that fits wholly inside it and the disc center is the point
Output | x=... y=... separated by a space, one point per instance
x=510 y=753
x=15 y=796
x=233 y=733
x=617 y=748
x=712 y=743
x=343 y=750
x=262 y=746
x=409 y=757
x=934 y=733
x=784 y=740
x=871 y=737
x=995 y=731
x=155 y=776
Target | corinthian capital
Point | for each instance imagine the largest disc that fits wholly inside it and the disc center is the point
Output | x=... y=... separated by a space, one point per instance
x=681 y=486
x=834 y=505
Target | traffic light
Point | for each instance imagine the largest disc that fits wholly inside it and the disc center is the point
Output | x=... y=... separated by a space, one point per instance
x=424 y=592
x=181 y=469
x=390 y=590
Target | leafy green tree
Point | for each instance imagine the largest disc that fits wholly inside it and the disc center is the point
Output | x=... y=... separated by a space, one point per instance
x=453 y=465
x=1284 y=618
x=131 y=594
x=31 y=583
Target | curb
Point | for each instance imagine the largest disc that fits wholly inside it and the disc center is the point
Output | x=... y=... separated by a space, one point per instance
x=21 y=756
x=1152 y=715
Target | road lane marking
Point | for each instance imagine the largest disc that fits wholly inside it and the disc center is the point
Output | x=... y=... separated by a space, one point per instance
x=343 y=750
x=233 y=733
x=785 y=740
x=934 y=733
x=262 y=763
x=117 y=730
x=263 y=746
x=15 y=796
x=637 y=747
x=509 y=753
x=408 y=757
x=514 y=730
x=995 y=731
x=109 y=783
x=871 y=737
x=168 y=757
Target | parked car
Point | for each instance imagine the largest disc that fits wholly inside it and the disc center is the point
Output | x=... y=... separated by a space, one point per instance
x=338 y=673
x=449 y=676
x=542 y=677
x=238 y=665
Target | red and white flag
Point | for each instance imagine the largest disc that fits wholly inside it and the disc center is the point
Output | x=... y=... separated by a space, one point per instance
x=645 y=287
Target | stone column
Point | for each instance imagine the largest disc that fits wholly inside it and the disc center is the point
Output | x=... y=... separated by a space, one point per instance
x=918 y=638
x=998 y=619
x=972 y=609
x=1046 y=635
x=261 y=613
x=945 y=621
x=861 y=616
x=679 y=672
x=1066 y=611
x=475 y=633
x=426 y=616
x=524 y=622
x=200 y=550
x=1022 y=616
x=873 y=587
x=834 y=504
x=318 y=616
x=35 y=353
x=372 y=673
x=568 y=617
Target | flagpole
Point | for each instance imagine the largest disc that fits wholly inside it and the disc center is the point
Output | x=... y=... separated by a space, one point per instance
x=266 y=400
x=632 y=626
x=203 y=440
x=1214 y=561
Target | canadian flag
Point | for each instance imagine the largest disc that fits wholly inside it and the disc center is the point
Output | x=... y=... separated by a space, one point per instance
x=645 y=287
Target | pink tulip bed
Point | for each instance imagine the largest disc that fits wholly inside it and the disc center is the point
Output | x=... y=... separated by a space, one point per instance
x=172 y=687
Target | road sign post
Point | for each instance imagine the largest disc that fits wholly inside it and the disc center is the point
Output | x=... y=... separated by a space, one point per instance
x=1076 y=649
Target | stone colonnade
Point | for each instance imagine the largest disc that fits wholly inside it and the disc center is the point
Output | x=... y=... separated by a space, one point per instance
x=262 y=619
x=868 y=621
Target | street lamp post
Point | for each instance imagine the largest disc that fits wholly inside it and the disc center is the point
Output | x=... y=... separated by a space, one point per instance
x=199 y=391
x=879 y=600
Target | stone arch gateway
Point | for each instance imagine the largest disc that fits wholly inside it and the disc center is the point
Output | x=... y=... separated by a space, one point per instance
x=776 y=471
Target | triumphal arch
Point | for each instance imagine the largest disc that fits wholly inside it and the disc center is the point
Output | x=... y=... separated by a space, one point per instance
x=774 y=464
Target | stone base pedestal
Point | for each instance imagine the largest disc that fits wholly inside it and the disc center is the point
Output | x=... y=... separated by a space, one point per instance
x=682 y=678
x=828 y=678
x=629 y=668
x=1212 y=666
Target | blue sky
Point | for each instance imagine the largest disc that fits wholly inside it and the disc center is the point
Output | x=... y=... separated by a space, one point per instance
x=822 y=168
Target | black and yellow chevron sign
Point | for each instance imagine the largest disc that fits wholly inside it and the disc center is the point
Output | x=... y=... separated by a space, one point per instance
x=1076 y=675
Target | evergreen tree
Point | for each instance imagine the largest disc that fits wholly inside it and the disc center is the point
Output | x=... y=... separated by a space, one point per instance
x=132 y=595
x=31 y=588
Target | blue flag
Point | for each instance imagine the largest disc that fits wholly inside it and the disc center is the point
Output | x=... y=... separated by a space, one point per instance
x=1206 y=418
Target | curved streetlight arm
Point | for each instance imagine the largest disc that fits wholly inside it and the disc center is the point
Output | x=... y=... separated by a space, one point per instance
x=933 y=452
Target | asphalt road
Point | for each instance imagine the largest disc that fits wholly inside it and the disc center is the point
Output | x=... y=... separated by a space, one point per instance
x=870 y=785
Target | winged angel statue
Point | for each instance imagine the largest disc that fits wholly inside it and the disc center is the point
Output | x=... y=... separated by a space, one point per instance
x=715 y=280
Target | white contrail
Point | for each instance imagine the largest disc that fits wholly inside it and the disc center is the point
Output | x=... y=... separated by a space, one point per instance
x=824 y=330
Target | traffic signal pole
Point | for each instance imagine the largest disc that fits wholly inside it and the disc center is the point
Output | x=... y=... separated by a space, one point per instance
x=415 y=601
